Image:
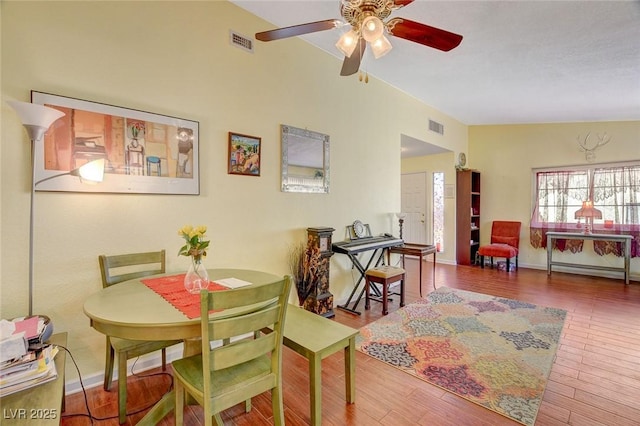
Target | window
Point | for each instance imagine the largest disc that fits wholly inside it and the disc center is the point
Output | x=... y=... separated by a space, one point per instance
x=438 y=210
x=614 y=189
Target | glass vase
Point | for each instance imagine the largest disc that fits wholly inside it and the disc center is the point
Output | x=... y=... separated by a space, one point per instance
x=196 y=278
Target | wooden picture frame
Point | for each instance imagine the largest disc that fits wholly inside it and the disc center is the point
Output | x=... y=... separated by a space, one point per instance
x=145 y=153
x=244 y=154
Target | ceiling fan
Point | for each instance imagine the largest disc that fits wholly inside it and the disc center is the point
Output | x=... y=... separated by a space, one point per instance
x=366 y=18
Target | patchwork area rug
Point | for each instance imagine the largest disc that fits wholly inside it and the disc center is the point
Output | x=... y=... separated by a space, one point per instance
x=493 y=351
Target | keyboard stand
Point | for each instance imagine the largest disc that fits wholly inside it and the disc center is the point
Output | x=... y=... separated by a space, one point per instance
x=379 y=252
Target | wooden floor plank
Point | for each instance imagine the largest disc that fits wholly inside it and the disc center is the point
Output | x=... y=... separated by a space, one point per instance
x=595 y=379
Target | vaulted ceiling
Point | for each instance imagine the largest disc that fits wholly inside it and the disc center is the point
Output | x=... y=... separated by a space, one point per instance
x=519 y=61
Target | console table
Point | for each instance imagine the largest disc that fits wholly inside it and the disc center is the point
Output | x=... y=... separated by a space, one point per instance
x=419 y=250
x=624 y=239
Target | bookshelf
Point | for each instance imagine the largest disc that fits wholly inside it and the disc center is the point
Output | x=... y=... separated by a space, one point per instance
x=467 y=216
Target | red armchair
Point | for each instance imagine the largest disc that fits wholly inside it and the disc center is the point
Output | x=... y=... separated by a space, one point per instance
x=505 y=242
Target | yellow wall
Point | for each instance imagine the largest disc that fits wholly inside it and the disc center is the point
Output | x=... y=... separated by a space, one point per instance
x=175 y=58
x=506 y=155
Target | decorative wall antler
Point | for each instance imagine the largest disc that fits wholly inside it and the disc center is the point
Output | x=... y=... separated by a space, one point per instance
x=590 y=152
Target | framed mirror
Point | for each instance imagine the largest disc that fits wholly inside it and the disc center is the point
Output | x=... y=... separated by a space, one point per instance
x=305 y=160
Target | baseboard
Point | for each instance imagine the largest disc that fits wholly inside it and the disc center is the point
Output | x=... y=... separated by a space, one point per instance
x=144 y=363
x=588 y=272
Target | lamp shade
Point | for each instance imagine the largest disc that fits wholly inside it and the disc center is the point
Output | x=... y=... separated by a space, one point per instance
x=35 y=118
x=588 y=210
x=348 y=42
x=372 y=28
x=381 y=47
x=92 y=172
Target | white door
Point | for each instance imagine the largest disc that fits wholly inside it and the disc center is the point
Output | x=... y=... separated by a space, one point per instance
x=413 y=187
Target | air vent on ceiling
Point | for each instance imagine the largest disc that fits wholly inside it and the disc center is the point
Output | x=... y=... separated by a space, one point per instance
x=434 y=126
x=238 y=40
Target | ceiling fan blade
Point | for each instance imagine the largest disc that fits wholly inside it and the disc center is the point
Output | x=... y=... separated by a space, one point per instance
x=423 y=34
x=401 y=3
x=297 y=30
x=351 y=64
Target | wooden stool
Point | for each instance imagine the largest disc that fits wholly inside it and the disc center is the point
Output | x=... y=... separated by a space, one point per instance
x=385 y=276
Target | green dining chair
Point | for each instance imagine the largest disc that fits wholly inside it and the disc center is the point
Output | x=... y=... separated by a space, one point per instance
x=226 y=375
x=114 y=270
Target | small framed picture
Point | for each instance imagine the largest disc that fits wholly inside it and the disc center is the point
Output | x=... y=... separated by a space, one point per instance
x=244 y=154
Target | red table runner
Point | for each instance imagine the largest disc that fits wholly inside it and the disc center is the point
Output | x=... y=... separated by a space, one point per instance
x=171 y=288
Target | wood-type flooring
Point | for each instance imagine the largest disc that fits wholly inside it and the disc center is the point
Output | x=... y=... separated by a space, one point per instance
x=595 y=379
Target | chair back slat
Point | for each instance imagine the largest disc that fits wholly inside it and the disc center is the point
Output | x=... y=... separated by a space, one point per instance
x=241 y=351
x=252 y=321
x=123 y=267
x=244 y=296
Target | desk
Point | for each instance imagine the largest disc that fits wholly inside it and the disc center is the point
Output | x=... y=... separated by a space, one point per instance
x=42 y=404
x=419 y=250
x=625 y=239
x=131 y=310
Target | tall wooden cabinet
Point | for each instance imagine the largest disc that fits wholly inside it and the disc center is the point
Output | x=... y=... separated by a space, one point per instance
x=467 y=216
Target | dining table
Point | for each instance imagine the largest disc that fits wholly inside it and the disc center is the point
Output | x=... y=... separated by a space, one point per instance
x=139 y=309
x=133 y=310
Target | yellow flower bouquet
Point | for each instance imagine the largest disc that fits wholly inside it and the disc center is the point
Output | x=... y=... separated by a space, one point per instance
x=196 y=246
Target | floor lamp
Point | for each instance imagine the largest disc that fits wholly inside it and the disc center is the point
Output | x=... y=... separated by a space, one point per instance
x=37 y=119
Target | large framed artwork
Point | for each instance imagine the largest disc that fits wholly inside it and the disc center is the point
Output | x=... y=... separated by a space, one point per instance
x=244 y=154
x=144 y=152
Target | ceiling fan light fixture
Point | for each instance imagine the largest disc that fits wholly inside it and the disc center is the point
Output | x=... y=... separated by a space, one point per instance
x=368 y=24
x=372 y=28
x=348 y=42
x=381 y=47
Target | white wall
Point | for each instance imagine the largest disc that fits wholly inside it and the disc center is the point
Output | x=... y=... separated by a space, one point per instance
x=174 y=58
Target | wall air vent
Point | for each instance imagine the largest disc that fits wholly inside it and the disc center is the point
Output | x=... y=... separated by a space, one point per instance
x=434 y=126
x=238 y=40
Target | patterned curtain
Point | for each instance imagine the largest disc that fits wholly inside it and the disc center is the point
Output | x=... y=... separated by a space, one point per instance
x=554 y=192
x=559 y=193
x=620 y=206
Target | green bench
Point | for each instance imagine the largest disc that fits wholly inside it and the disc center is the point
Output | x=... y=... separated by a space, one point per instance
x=315 y=338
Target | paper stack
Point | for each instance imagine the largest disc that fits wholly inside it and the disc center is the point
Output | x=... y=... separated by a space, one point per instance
x=232 y=282
x=13 y=346
x=22 y=366
x=32 y=369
